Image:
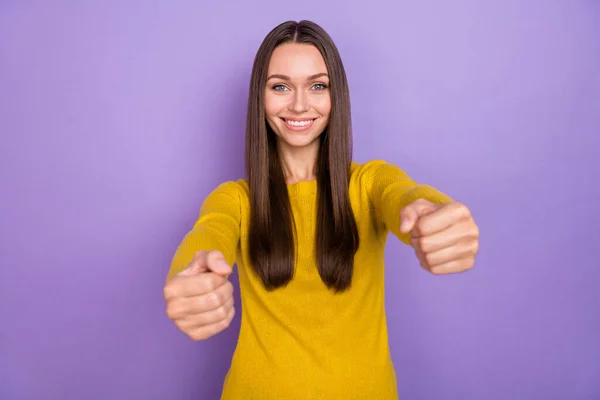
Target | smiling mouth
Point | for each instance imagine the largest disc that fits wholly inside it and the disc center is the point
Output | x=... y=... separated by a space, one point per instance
x=298 y=125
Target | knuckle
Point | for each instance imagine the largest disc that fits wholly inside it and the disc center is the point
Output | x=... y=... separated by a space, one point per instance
x=169 y=291
x=171 y=310
x=182 y=326
x=462 y=266
x=457 y=205
x=208 y=283
x=222 y=313
x=176 y=310
x=215 y=299
x=226 y=322
x=197 y=335
x=428 y=258
x=464 y=211
x=199 y=253
x=422 y=243
x=229 y=288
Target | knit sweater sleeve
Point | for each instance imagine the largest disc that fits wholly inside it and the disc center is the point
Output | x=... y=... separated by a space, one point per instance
x=217 y=228
x=391 y=189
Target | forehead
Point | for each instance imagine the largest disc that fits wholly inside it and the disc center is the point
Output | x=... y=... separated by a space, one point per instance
x=297 y=60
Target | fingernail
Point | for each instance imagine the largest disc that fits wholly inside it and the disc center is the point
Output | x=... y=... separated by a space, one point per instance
x=404 y=224
x=224 y=265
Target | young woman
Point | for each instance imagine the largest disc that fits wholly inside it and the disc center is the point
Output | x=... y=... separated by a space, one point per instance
x=307 y=230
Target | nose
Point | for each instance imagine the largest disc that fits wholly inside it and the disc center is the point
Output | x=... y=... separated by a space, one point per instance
x=299 y=102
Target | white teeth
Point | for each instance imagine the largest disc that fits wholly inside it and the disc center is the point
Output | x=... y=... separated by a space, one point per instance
x=298 y=123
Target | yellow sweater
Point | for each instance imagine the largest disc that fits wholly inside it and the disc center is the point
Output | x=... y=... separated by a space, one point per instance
x=304 y=342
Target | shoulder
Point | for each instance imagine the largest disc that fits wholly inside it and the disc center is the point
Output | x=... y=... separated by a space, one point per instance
x=228 y=193
x=367 y=172
x=237 y=187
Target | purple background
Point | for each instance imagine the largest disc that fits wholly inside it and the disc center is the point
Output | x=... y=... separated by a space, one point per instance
x=118 y=118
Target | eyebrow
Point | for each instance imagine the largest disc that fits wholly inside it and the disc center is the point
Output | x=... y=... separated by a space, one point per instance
x=287 y=78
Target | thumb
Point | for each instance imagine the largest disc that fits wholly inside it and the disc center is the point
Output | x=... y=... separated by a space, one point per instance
x=217 y=263
x=412 y=212
x=207 y=261
x=409 y=217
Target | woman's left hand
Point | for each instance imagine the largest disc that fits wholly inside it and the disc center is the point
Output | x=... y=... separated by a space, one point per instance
x=445 y=237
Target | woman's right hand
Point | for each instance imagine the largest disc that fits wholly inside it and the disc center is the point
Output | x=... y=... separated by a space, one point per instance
x=200 y=298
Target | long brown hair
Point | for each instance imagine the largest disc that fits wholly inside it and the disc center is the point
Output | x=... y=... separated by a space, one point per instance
x=272 y=228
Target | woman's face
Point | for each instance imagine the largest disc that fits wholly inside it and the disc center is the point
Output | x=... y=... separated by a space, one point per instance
x=297 y=99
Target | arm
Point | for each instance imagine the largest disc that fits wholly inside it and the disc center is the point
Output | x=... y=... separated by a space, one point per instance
x=391 y=189
x=217 y=228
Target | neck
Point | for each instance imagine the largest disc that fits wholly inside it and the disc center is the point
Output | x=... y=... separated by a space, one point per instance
x=299 y=164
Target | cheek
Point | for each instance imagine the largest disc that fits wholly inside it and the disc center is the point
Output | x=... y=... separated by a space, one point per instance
x=273 y=105
x=323 y=106
x=271 y=110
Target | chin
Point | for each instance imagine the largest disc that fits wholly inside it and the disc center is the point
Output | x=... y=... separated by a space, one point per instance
x=300 y=138
x=297 y=142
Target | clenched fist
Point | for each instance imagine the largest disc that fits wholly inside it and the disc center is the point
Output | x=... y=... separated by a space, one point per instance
x=445 y=237
x=200 y=298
